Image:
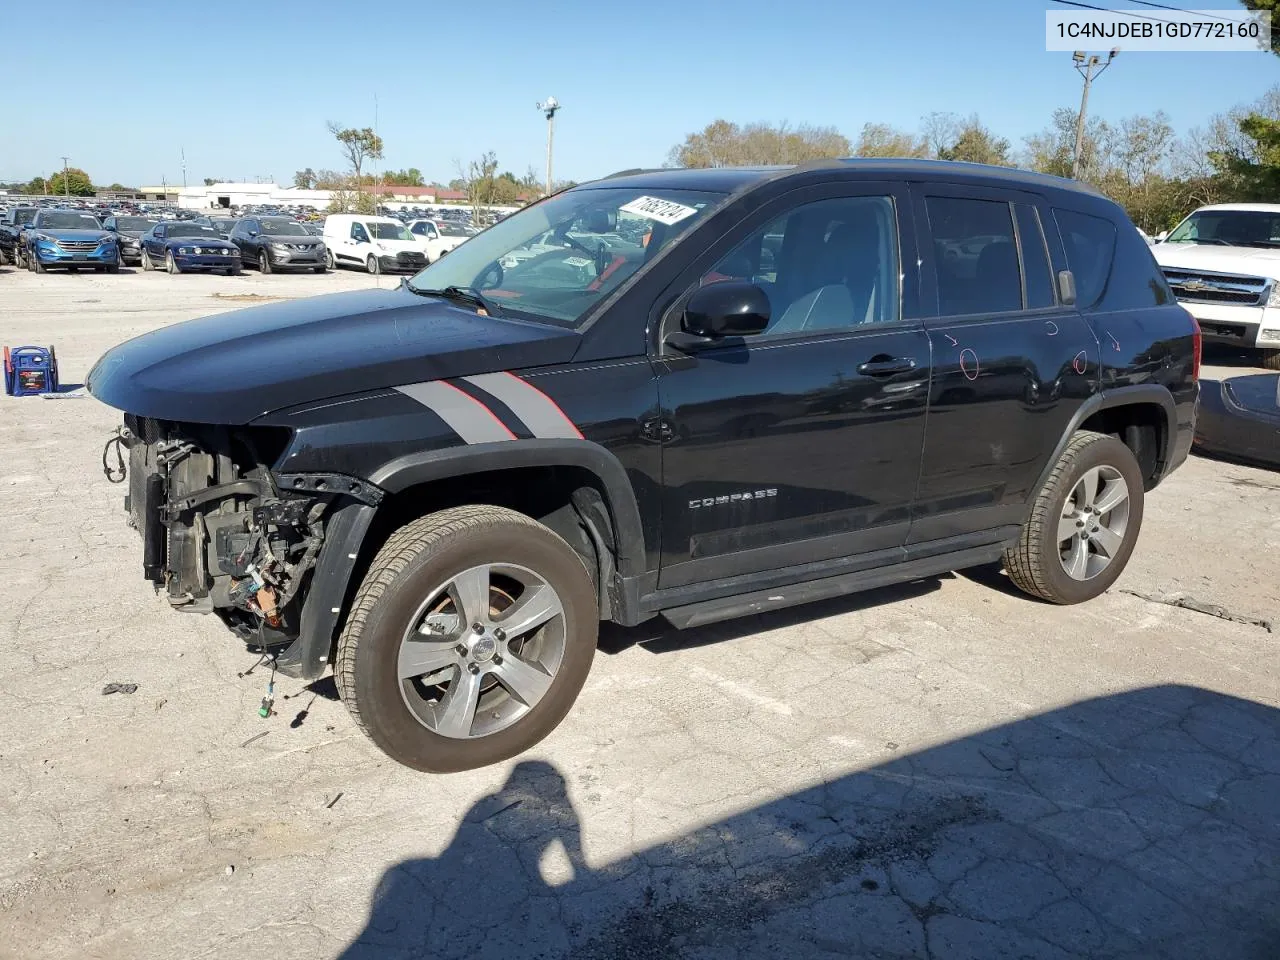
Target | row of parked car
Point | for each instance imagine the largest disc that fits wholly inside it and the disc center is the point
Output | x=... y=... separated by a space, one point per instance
x=43 y=238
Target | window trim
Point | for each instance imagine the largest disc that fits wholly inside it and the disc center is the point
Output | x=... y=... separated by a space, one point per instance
x=664 y=317
x=1022 y=261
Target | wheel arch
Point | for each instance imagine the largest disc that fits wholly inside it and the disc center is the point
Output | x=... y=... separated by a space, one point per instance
x=591 y=505
x=1125 y=412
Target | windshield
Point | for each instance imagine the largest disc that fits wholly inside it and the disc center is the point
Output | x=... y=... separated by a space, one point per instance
x=222 y=224
x=556 y=259
x=389 y=231
x=1235 y=228
x=452 y=230
x=134 y=223
x=192 y=230
x=69 y=221
x=280 y=227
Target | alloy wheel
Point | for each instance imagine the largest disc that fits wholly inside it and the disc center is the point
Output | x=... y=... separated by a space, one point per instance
x=481 y=651
x=1095 y=516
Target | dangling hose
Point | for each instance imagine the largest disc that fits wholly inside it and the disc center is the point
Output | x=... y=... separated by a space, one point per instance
x=116 y=475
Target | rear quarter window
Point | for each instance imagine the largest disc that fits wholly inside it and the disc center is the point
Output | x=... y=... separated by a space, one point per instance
x=1090 y=244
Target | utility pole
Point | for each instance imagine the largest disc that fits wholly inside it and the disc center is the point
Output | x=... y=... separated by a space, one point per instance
x=66 y=188
x=1090 y=67
x=549 y=108
x=184 y=167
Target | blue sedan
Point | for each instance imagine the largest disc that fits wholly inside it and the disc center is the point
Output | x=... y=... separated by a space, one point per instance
x=179 y=246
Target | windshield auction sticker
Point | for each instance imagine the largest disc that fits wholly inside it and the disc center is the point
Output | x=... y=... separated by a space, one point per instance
x=664 y=211
x=1158 y=28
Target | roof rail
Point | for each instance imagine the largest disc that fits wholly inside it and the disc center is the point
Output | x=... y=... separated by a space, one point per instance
x=634 y=170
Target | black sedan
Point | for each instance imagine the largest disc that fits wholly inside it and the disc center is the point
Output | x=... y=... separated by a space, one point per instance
x=278 y=243
x=129 y=231
x=1239 y=419
x=180 y=246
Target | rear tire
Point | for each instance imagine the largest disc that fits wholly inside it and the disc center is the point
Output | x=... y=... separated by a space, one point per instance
x=413 y=584
x=1271 y=359
x=1083 y=525
x=373 y=265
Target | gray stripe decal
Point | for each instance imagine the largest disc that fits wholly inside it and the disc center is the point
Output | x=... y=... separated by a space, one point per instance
x=543 y=418
x=469 y=418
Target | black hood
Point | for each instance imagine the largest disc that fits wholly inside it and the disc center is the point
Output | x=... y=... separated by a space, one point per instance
x=234 y=367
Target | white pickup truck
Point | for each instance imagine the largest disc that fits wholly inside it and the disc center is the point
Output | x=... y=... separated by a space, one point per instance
x=438 y=237
x=1223 y=263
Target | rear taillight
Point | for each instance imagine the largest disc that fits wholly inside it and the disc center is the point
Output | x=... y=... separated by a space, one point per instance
x=1197 y=348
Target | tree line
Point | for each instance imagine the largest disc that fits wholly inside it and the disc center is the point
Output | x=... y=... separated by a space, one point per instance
x=1139 y=161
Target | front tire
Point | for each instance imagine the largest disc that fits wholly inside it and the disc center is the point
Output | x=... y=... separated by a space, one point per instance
x=34 y=260
x=147 y=265
x=373 y=265
x=1083 y=525
x=1270 y=359
x=171 y=264
x=333 y=264
x=468 y=640
x=264 y=262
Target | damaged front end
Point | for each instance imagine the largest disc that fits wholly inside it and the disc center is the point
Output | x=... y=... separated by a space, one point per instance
x=222 y=533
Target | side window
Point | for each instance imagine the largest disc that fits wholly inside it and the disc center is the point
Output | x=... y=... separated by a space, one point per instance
x=975 y=254
x=1091 y=244
x=827 y=265
x=358 y=234
x=420 y=229
x=1035 y=257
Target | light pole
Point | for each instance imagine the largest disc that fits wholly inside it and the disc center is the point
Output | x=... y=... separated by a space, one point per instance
x=1089 y=67
x=549 y=107
x=66 y=189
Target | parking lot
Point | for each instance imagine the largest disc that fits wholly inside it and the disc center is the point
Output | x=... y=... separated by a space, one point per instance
x=946 y=768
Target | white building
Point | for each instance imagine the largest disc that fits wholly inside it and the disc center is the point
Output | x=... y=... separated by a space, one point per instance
x=222 y=195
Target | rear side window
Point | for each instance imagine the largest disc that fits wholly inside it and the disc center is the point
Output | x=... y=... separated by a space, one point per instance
x=975 y=254
x=1091 y=244
x=1035 y=257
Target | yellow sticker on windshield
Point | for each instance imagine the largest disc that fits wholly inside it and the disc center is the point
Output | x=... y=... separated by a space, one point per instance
x=664 y=211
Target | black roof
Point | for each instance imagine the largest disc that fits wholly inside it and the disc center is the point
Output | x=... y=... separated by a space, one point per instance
x=731 y=179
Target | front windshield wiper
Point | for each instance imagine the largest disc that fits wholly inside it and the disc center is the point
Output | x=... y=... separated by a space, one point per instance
x=462 y=295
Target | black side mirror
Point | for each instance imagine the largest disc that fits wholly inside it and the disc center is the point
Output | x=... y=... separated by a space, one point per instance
x=111 y=227
x=728 y=308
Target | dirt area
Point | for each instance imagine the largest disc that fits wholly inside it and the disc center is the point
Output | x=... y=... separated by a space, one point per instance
x=941 y=769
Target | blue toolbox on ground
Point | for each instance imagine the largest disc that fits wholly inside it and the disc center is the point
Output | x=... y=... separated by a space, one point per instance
x=29 y=371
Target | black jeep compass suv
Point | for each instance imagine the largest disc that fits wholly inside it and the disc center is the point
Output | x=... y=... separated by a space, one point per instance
x=689 y=393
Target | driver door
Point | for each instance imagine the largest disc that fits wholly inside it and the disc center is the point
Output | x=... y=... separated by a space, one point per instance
x=800 y=444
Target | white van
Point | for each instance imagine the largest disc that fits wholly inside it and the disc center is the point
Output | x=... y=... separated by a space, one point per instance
x=377 y=244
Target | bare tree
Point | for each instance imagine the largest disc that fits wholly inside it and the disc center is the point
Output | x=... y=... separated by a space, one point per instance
x=940 y=132
x=479 y=179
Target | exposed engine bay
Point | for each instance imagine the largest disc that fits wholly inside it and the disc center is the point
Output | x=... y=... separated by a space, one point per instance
x=218 y=535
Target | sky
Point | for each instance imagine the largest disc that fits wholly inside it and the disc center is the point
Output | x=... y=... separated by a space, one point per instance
x=245 y=89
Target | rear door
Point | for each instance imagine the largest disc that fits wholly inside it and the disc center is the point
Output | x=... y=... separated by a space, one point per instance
x=800 y=444
x=1011 y=363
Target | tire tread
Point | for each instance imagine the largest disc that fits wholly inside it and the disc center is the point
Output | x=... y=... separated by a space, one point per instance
x=1024 y=562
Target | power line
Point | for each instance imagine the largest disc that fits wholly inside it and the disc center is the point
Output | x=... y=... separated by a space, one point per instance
x=1130 y=13
x=1198 y=13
